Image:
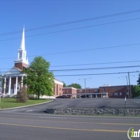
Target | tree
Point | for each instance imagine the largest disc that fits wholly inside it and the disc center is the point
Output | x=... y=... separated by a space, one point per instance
x=136 y=91
x=75 y=85
x=1 y=82
x=138 y=81
x=64 y=84
x=39 y=80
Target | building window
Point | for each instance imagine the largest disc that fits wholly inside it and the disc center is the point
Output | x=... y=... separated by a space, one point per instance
x=96 y=90
x=114 y=88
x=120 y=93
x=104 y=89
x=116 y=93
x=88 y=90
x=80 y=90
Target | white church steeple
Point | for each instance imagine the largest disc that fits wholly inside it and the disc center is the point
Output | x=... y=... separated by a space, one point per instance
x=22 y=52
x=22 y=47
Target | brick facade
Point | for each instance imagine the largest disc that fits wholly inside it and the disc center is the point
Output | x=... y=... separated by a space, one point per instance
x=58 y=88
x=117 y=91
x=112 y=91
x=20 y=65
x=70 y=92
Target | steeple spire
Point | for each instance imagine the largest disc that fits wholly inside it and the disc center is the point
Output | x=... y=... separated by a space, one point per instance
x=22 y=59
x=22 y=46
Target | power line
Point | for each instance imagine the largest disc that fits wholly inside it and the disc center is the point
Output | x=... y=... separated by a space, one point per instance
x=96 y=74
x=72 y=29
x=75 y=51
x=96 y=63
x=87 y=74
x=115 y=62
x=74 y=22
x=100 y=68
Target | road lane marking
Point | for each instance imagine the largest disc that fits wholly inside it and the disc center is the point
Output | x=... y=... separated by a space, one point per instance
x=120 y=124
x=50 y=120
x=71 y=121
x=52 y=117
x=113 y=131
x=29 y=110
x=63 y=128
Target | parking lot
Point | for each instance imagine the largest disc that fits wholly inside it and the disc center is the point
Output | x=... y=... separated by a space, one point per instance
x=94 y=103
x=80 y=103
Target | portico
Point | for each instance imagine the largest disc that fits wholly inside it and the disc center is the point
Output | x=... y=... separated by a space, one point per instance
x=13 y=82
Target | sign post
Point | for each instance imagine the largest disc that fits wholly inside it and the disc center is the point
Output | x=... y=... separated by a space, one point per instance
x=125 y=101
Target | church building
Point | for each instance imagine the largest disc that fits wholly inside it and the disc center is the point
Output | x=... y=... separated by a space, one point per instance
x=13 y=79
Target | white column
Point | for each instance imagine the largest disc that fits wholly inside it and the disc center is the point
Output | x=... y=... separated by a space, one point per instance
x=16 y=85
x=96 y=95
x=21 y=81
x=26 y=84
x=9 y=90
x=4 y=85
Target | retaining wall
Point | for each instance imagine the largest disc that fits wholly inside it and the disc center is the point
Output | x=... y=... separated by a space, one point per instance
x=95 y=111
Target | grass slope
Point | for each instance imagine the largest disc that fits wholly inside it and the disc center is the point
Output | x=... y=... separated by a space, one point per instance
x=11 y=102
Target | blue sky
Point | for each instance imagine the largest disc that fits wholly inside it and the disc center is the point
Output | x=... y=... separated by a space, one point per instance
x=104 y=33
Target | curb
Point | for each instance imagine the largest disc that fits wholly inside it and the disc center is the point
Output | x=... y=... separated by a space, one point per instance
x=25 y=106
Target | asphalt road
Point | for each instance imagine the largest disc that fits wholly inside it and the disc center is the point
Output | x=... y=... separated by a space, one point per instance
x=30 y=123
x=25 y=126
x=80 y=103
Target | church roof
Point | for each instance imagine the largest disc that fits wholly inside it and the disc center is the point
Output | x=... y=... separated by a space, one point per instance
x=14 y=72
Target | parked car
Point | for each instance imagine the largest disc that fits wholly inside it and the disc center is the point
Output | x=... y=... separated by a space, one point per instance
x=62 y=96
x=85 y=96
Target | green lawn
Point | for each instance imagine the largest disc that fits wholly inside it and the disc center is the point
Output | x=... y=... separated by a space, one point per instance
x=11 y=102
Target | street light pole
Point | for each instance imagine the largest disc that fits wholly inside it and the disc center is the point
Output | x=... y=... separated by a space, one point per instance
x=85 y=83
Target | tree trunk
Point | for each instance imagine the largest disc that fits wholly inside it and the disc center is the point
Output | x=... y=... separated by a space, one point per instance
x=38 y=96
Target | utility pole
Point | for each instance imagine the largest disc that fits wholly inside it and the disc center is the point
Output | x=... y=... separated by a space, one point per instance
x=126 y=92
x=130 y=94
x=127 y=86
x=0 y=88
x=85 y=83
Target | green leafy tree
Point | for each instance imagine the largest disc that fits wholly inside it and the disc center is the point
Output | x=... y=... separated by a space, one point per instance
x=1 y=81
x=39 y=80
x=64 y=84
x=136 y=91
x=138 y=81
x=75 y=85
